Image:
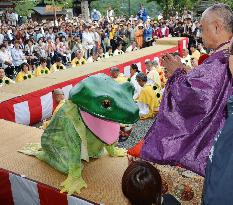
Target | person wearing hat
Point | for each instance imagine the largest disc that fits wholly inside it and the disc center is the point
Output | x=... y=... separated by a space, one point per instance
x=57 y=66
x=148 y=100
x=79 y=59
x=42 y=69
x=59 y=99
x=117 y=76
x=139 y=35
x=24 y=74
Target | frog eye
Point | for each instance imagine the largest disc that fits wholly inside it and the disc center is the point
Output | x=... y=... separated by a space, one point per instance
x=106 y=103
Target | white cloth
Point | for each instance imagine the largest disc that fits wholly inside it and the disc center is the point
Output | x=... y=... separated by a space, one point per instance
x=136 y=86
x=130 y=49
x=187 y=60
x=117 y=52
x=143 y=108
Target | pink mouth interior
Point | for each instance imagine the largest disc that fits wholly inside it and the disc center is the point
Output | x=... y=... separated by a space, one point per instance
x=107 y=131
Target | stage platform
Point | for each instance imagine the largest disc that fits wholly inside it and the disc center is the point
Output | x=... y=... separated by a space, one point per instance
x=103 y=176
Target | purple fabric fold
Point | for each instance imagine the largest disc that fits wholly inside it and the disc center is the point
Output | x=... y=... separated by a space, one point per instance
x=191 y=113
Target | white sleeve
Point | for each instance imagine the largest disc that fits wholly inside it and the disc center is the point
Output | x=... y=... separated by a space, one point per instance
x=143 y=109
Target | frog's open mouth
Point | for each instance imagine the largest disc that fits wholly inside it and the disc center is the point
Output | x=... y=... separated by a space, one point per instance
x=105 y=130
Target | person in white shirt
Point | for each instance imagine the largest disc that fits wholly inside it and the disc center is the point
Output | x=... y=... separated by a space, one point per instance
x=132 y=47
x=5 y=57
x=133 y=72
x=95 y=57
x=17 y=56
x=118 y=50
x=88 y=41
x=110 y=14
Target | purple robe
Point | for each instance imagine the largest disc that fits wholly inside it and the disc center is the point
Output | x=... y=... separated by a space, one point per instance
x=191 y=113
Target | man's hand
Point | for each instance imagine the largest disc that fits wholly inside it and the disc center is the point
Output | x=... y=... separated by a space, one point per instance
x=171 y=63
x=231 y=57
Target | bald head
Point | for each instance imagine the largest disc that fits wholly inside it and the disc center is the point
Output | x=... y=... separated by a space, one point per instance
x=220 y=12
x=217 y=25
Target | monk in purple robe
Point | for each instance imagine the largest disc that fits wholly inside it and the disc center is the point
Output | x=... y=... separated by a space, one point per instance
x=193 y=109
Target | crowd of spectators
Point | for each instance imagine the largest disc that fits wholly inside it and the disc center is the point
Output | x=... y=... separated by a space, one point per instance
x=74 y=42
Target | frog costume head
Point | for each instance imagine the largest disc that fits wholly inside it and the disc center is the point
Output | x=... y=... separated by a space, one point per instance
x=104 y=104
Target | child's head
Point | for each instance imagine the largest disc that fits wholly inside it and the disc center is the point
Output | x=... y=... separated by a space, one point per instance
x=142 y=184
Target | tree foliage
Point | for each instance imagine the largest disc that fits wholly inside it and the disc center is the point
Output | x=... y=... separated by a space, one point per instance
x=60 y=3
x=24 y=7
x=121 y=7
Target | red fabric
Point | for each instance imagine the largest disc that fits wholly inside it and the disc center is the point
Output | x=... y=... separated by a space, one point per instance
x=202 y=58
x=50 y=196
x=35 y=109
x=136 y=150
x=5 y=189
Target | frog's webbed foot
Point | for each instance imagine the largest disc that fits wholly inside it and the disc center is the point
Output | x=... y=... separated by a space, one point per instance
x=73 y=184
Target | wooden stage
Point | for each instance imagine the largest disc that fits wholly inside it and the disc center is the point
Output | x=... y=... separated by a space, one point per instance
x=103 y=176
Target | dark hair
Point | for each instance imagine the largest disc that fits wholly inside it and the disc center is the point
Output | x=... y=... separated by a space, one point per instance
x=43 y=60
x=142 y=184
x=58 y=59
x=135 y=67
x=23 y=64
x=2 y=45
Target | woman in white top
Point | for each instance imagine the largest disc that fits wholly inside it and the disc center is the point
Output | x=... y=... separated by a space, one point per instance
x=133 y=72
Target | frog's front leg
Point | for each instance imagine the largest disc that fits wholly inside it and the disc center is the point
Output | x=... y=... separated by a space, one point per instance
x=74 y=182
x=114 y=151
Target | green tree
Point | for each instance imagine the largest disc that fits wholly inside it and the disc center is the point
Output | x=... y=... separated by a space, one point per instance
x=24 y=7
x=61 y=3
x=121 y=7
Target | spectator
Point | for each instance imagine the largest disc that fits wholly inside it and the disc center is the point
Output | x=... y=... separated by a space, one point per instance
x=142 y=185
x=93 y=58
x=132 y=47
x=57 y=66
x=186 y=58
x=195 y=53
x=78 y=60
x=117 y=76
x=17 y=56
x=133 y=73
x=95 y=15
x=142 y=13
x=42 y=69
x=3 y=79
x=139 y=35
x=152 y=75
x=118 y=50
x=24 y=74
